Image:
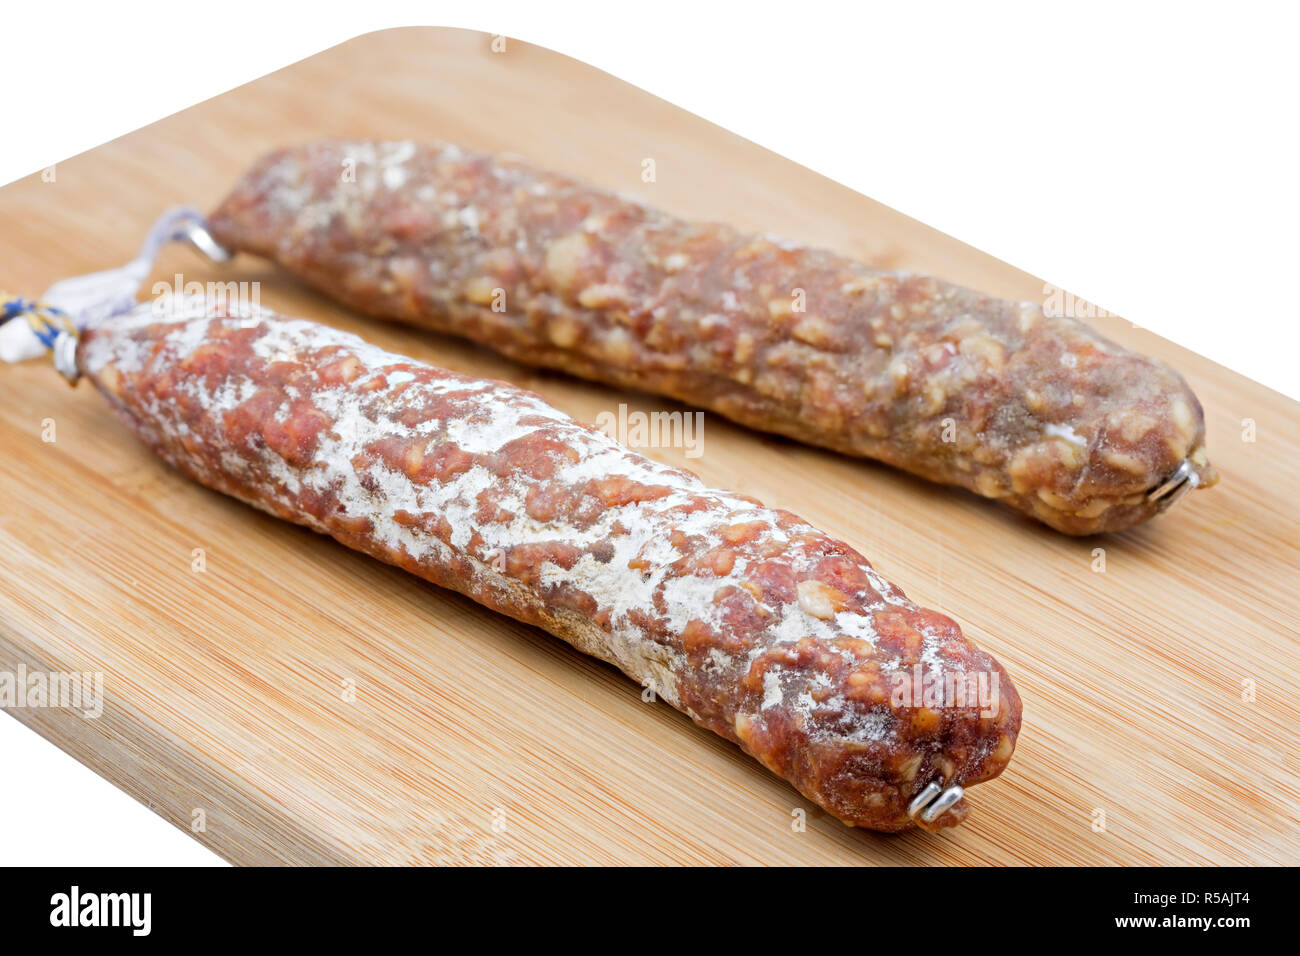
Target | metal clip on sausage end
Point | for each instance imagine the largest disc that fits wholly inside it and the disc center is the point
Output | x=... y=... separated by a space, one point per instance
x=933 y=802
x=1184 y=479
x=195 y=232
x=56 y=321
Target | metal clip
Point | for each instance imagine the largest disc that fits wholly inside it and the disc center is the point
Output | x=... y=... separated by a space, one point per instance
x=933 y=802
x=29 y=328
x=65 y=357
x=1183 y=480
x=195 y=232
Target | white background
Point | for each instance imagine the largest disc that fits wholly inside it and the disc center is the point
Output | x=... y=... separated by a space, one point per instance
x=1142 y=156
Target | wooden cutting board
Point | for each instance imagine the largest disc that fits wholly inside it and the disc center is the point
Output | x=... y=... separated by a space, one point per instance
x=317 y=706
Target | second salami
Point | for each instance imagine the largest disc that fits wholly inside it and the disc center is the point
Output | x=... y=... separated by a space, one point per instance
x=1035 y=410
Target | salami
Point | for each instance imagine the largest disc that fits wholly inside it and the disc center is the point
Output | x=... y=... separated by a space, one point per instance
x=755 y=624
x=1037 y=411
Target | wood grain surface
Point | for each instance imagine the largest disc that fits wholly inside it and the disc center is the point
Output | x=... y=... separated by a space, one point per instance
x=473 y=738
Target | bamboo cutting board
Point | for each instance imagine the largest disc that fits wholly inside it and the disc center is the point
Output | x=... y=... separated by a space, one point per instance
x=296 y=702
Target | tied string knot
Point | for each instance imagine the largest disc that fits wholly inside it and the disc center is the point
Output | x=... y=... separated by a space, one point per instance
x=47 y=321
x=51 y=326
x=55 y=322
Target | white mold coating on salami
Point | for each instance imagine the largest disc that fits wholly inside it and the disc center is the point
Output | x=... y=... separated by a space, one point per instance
x=747 y=618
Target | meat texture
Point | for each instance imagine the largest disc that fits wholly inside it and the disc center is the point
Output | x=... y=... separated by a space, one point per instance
x=1037 y=411
x=760 y=627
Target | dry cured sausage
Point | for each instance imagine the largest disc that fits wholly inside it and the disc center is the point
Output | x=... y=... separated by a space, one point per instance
x=1035 y=410
x=760 y=627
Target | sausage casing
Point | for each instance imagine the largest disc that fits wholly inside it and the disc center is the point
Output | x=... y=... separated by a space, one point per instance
x=757 y=625
x=1037 y=411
